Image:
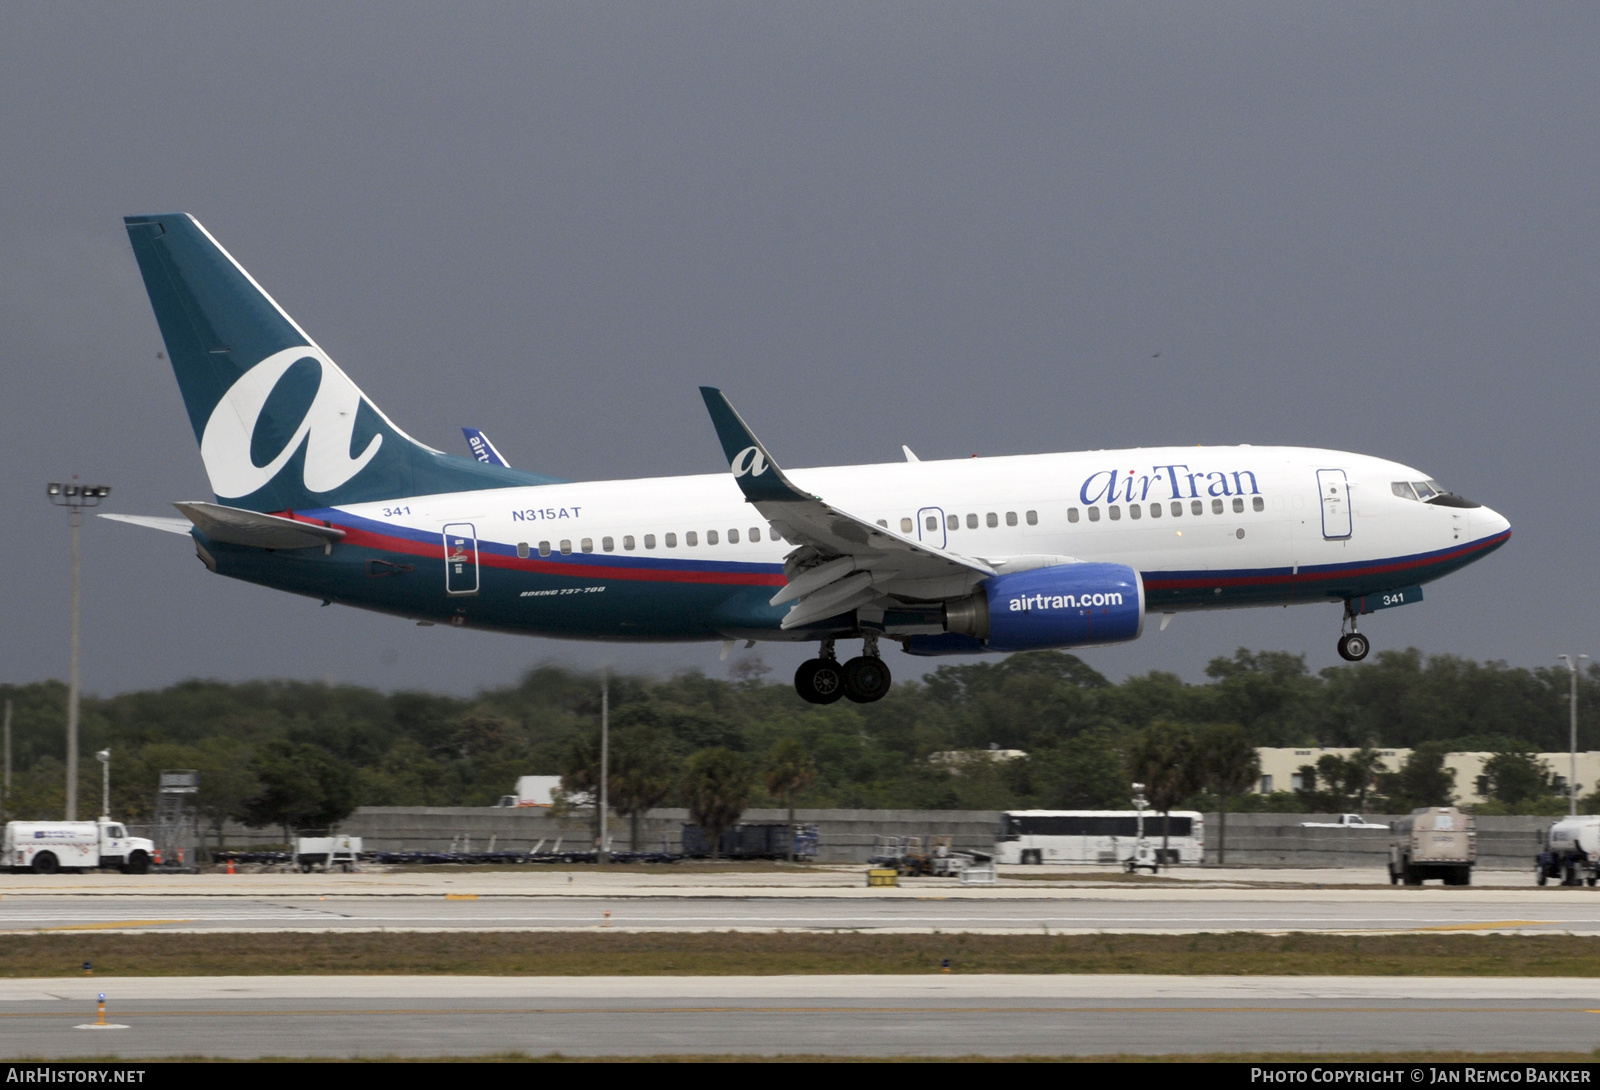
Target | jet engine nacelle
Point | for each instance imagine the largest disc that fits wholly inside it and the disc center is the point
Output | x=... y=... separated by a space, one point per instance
x=1068 y=605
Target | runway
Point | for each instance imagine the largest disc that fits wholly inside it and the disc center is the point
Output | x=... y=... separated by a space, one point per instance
x=248 y=1017
x=1027 y=911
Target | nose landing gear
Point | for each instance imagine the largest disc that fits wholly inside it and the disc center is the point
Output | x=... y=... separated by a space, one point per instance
x=1353 y=646
x=863 y=679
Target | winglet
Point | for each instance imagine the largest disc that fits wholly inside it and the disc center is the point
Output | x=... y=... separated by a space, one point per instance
x=758 y=476
x=483 y=450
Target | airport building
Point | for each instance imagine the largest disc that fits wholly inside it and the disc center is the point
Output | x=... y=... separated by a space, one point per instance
x=1280 y=768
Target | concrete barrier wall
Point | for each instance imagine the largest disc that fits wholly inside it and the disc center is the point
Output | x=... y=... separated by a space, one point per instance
x=846 y=836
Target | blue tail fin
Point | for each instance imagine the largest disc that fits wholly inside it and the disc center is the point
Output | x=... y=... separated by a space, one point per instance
x=280 y=426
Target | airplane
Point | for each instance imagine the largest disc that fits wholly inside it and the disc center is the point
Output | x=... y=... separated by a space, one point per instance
x=317 y=492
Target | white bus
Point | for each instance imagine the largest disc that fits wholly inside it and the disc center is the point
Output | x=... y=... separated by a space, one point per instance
x=1103 y=837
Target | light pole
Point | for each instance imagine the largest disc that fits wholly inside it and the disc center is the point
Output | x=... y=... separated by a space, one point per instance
x=602 y=856
x=1572 y=711
x=74 y=497
x=104 y=757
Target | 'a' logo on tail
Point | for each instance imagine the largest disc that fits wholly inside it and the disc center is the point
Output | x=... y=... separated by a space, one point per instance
x=749 y=460
x=327 y=429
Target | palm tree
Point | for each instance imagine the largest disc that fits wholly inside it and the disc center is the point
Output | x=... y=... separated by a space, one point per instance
x=716 y=787
x=1229 y=764
x=789 y=769
x=1164 y=760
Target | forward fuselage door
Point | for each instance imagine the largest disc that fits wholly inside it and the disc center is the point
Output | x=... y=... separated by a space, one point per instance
x=930 y=527
x=460 y=559
x=1335 y=490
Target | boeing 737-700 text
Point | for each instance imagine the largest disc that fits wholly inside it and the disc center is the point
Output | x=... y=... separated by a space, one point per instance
x=317 y=492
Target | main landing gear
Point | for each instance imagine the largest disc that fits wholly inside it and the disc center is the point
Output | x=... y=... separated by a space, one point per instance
x=1353 y=646
x=863 y=679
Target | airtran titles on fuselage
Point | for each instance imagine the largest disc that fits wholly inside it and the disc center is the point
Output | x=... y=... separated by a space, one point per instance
x=1177 y=481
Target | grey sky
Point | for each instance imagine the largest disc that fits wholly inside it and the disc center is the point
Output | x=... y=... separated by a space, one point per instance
x=964 y=227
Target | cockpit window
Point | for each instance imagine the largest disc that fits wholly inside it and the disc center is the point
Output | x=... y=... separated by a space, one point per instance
x=1431 y=492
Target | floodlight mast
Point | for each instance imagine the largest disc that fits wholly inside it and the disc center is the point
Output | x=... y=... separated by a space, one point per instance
x=104 y=757
x=1572 y=712
x=74 y=497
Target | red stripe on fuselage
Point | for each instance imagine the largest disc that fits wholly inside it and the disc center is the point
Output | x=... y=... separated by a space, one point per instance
x=370 y=540
x=1323 y=575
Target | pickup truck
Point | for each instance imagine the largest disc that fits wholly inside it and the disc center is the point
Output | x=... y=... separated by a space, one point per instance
x=1346 y=821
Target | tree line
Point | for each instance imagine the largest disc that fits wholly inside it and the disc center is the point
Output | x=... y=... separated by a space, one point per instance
x=297 y=755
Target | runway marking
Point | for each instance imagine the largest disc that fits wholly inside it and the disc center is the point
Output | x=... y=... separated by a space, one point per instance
x=1488 y=925
x=461 y=896
x=112 y=923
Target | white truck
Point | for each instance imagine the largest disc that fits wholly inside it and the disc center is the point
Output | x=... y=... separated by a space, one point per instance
x=533 y=791
x=1433 y=842
x=1571 y=852
x=45 y=847
x=1345 y=821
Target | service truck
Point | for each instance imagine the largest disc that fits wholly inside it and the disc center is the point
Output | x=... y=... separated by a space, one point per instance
x=1571 y=851
x=1433 y=842
x=45 y=847
x=1345 y=821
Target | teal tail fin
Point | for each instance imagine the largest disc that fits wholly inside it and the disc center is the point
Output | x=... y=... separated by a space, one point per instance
x=280 y=426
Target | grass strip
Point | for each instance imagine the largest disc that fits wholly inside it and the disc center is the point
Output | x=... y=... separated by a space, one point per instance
x=1323 y=1058
x=666 y=953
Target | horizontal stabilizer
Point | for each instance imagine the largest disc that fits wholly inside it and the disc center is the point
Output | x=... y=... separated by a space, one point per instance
x=153 y=522
x=236 y=526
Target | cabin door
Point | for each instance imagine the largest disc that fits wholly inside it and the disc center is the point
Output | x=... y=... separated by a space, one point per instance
x=460 y=559
x=1335 y=490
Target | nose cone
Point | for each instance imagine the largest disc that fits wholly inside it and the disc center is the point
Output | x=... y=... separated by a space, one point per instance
x=1488 y=523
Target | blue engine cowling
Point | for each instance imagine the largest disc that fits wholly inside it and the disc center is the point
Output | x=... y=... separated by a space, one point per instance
x=1066 y=605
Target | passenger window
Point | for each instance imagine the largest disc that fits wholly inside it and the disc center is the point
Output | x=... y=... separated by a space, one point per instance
x=609 y=544
x=1177 y=508
x=755 y=533
x=1216 y=507
x=905 y=526
x=1033 y=518
x=1257 y=503
x=952 y=522
x=1196 y=507
x=1115 y=512
x=933 y=522
x=1094 y=514
x=1155 y=510
x=587 y=544
x=627 y=542
x=544 y=548
x=1011 y=518
x=991 y=520
x=650 y=541
x=972 y=522
x=1135 y=511
x=566 y=548
x=711 y=537
x=733 y=537
x=1238 y=504
x=690 y=538
x=1072 y=514
x=884 y=523
x=523 y=550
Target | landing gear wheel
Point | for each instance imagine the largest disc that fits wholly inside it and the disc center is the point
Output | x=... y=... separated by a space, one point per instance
x=866 y=678
x=818 y=681
x=1353 y=647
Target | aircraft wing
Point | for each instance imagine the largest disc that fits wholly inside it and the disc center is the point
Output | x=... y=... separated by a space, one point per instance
x=843 y=561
